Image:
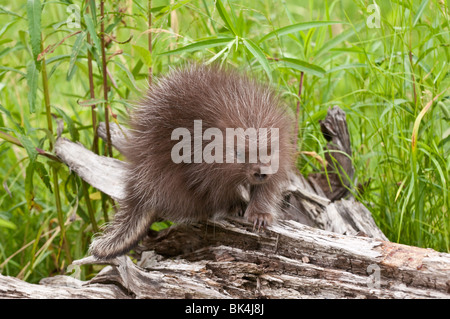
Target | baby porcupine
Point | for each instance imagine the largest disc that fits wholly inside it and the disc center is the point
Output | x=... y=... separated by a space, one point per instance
x=179 y=152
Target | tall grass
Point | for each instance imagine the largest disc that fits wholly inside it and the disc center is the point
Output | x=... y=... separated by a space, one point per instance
x=65 y=66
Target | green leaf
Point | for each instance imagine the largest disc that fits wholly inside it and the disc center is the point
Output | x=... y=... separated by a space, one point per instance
x=415 y=131
x=298 y=27
x=29 y=147
x=420 y=10
x=32 y=81
x=204 y=44
x=91 y=29
x=93 y=11
x=13 y=121
x=29 y=191
x=259 y=55
x=57 y=58
x=227 y=49
x=43 y=174
x=137 y=68
x=118 y=19
x=7 y=224
x=94 y=51
x=346 y=67
x=76 y=48
x=302 y=66
x=225 y=17
x=6 y=68
x=339 y=39
x=130 y=76
x=5 y=11
x=7 y=26
x=445 y=110
x=169 y=8
x=70 y=124
x=34 y=26
x=144 y=54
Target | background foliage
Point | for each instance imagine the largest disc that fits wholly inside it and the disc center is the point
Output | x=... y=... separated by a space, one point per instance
x=391 y=79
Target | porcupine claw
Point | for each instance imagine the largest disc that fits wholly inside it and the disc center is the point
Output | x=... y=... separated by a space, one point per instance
x=260 y=222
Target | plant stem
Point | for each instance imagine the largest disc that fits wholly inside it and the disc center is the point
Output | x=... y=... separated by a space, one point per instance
x=89 y=207
x=15 y=141
x=105 y=78
x=105 y=97
x=94 y=127
x=105 y=207
x=10 y=139
x=92 y=92
x=413 y=79
x=297 y=112
x=150 y=71
x=53 y=169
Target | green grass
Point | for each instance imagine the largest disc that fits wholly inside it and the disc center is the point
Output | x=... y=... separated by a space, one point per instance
x=391 y=81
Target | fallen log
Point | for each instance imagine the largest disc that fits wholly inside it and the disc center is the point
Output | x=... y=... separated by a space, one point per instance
x=226 y=259
x=315 y=252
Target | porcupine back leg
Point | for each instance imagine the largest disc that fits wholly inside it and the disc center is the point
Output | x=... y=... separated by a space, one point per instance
x=130 y=225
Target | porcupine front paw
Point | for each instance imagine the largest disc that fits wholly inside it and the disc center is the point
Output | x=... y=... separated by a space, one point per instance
x=258 y=218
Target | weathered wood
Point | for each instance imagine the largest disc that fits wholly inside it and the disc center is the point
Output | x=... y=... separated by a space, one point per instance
x=104 y=173
x=58 y=287
x=337 y=182
x=227 y=259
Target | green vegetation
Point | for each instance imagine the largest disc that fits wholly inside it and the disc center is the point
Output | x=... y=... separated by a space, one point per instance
x=390 y=75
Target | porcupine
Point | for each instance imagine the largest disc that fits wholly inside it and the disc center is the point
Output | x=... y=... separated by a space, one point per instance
x=159 y=187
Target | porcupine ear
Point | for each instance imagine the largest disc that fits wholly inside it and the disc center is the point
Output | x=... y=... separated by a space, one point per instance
x=123 y=234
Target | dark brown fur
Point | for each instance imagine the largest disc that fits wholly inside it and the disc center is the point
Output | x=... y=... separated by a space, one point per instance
x=157 y=187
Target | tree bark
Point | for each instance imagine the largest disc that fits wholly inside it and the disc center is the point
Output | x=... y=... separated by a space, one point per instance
x=325 y=247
